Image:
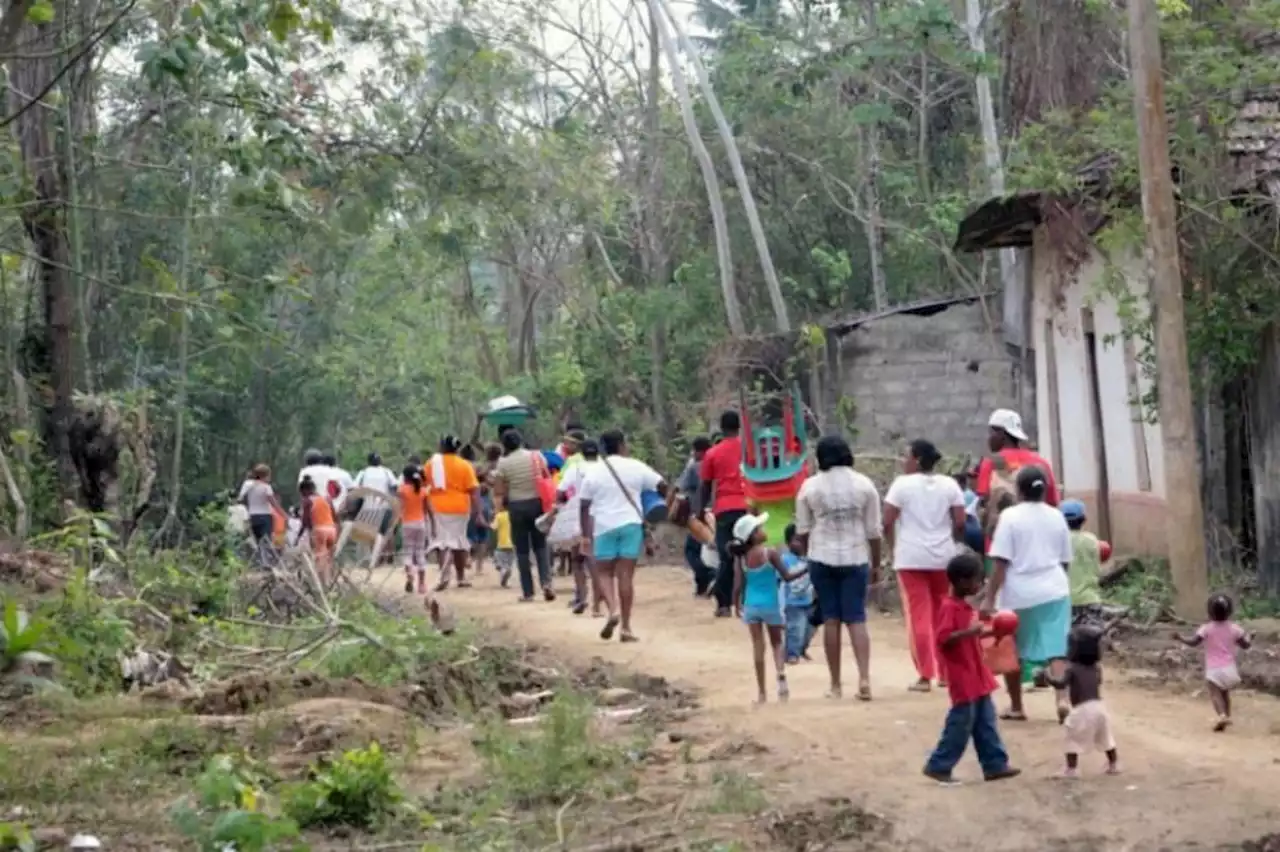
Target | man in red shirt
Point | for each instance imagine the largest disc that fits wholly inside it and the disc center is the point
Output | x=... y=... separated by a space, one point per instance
x=969 y=682
x=1006 y=438
x=722 y=467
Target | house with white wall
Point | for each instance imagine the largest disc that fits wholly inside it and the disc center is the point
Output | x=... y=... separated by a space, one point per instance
x=1092 y=426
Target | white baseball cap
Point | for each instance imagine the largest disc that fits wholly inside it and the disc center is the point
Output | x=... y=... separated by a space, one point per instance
x=1007 y=421
x=747 y=524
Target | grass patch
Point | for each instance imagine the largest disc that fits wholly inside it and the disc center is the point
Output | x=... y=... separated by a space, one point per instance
x=736 y=793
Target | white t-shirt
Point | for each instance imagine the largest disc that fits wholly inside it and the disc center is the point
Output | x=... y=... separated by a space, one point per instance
x=380 y=478
x=320 y=474
x=924 y=502
x=256 y=496
x=568 y=523
x=610 y=506
x=1033 y=538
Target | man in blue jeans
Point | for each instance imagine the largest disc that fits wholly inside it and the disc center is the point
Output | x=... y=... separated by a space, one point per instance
x=725 y=489
x=690 y=485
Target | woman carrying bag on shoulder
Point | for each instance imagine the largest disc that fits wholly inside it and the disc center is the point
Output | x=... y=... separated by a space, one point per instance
x=613 y=523
x=520 y=481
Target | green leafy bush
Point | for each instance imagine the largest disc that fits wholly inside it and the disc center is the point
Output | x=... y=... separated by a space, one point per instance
x=228 y=812
x=357 y=789
x=23 y=641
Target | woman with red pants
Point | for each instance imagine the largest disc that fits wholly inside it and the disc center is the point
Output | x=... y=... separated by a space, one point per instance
x=923 y=520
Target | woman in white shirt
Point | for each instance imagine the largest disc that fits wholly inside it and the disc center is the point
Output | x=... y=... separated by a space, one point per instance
x=838 y=524
x=1030 y=553
x=924 y=517
x=612 y=521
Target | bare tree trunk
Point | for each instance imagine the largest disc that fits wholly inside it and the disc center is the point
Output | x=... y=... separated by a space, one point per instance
x=875 y=226
x=781 y=320
x=719 y=222
x=655 y=255
x=46 y=226
x=1010 y=283
x=184 y=340
x=21 y=519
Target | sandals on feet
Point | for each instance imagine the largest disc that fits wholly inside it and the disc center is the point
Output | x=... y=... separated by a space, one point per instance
x=611 y=625
x=1013 y=716
x=864 y=692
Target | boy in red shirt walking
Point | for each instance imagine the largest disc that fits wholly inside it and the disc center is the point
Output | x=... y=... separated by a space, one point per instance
x=969 y=681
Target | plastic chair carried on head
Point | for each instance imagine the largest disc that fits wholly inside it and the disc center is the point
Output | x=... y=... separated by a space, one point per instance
x=374 y=521
x=775 y=462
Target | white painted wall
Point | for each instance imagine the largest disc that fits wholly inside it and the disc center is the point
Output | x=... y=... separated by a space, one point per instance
x=1063 y=306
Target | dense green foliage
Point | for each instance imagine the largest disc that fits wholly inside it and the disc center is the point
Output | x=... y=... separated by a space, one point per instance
x=288 y=225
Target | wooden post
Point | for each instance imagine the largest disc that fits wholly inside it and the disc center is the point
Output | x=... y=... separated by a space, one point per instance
x=1185 y=523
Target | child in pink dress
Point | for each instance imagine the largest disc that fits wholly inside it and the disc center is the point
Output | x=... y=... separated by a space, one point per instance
x=1221 y=638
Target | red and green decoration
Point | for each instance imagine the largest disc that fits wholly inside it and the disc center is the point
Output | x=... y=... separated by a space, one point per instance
x=775 y=462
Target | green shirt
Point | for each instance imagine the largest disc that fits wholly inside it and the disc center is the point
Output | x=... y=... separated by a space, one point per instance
x=1086 y=565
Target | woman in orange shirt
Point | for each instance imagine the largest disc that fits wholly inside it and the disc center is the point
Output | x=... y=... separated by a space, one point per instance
x=416 y=521
x=454 y=493
x=320 y=518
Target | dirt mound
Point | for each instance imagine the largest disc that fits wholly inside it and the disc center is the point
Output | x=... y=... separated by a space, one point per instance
x=252 y=693
x=831 y=823
x=603 y=675
x=1266 y=843
x=44 y=572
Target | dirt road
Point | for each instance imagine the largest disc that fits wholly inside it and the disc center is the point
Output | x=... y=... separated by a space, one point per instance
x=1182 y=787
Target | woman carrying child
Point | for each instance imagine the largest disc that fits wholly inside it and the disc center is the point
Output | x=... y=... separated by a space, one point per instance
x=1030 y=554
x=1221 y=638
x=757 y=571
x=565 y=536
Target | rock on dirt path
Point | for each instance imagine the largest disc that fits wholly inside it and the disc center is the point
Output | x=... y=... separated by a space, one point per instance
x=1182 y=786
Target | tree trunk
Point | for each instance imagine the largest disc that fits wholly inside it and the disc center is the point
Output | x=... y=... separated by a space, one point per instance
x=875 y=228
x=719 y=222
x=1264 y=459
x=45 y=222
x=655 y=253
x=184 y=336
x=1011 y=283
x=781 y=320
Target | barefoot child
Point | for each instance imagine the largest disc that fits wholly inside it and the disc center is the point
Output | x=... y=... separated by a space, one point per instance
x=1221 y=638
x=1087 y=725
x=969 y=682
x=756 y=570
x=799 y=600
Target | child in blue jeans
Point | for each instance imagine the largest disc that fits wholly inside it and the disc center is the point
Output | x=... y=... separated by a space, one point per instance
x=969 y=682
x=797 y=600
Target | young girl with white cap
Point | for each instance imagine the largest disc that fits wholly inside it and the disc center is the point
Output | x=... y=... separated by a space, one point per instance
x=757 y=573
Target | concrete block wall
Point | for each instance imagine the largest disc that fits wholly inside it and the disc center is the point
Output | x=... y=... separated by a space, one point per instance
x=936 y=377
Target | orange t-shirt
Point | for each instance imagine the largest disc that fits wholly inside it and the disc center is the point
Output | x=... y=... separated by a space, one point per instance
x=321 y=512
x=412 y=510
x=459 y=479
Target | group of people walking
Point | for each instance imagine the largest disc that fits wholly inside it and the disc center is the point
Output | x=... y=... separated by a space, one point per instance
x=582 y=504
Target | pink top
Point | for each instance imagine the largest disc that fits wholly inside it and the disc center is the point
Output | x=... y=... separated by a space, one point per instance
x=1220 y=638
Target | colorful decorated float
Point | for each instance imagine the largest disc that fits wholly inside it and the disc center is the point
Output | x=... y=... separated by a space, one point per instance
x=775 y=463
